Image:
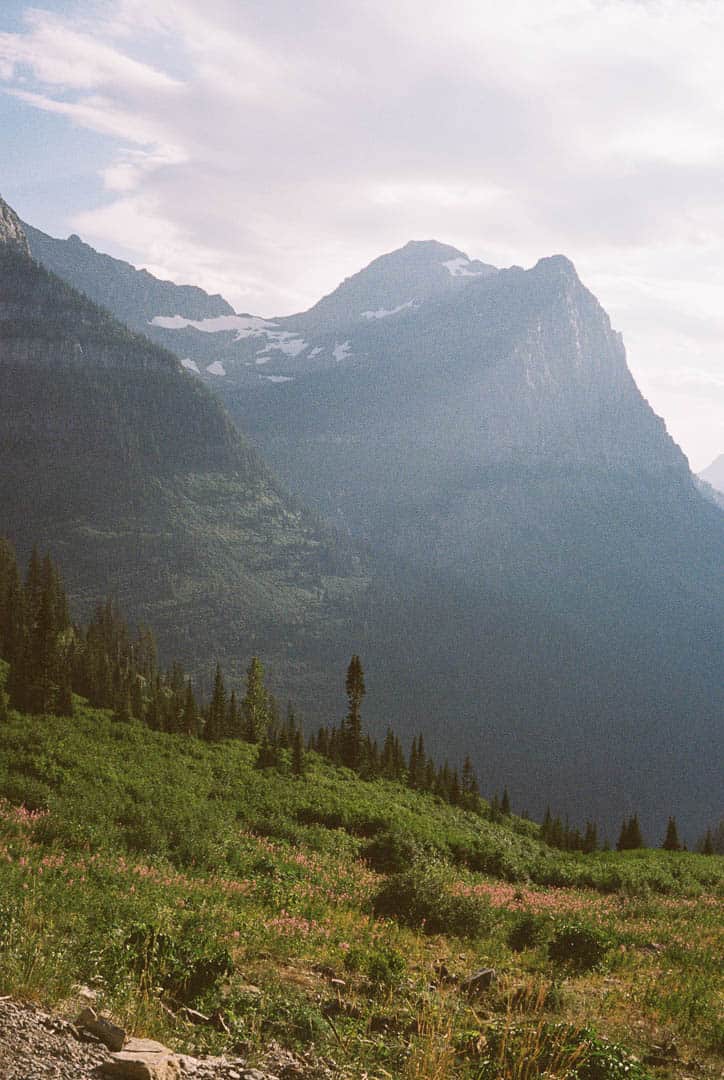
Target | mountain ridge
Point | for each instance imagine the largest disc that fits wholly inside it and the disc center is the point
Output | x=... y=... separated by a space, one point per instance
x=548 y=576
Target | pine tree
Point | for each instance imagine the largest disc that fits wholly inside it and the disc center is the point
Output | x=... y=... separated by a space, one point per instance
x=590 y=839
x=671 y=839
x=122 y=713
x=352 y=740
x=707 y=847
x=630 y=837
x=190 y=715
x=233 y=726
x=214 y=729
x=298 y=753
x=4 y=714
x=255 y=706
x=388 y=764
x=456 y=795
x=546 y=826
x=636 y=838
x=505 y=803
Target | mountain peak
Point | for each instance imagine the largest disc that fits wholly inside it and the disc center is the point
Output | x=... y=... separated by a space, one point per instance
x=394 y=282
x=559 y=264
x=11 y=231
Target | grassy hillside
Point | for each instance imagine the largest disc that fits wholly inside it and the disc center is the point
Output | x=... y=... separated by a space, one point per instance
x=163 y=871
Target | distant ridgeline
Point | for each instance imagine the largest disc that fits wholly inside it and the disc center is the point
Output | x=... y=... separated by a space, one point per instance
x=51 y=658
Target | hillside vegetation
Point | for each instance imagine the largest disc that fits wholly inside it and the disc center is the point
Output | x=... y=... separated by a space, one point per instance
x=164 y=871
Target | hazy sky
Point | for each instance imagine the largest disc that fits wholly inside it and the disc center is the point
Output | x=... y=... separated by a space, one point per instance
x=265 y=149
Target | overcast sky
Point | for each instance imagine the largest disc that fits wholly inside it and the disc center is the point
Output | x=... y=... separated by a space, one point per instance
x=265 y=149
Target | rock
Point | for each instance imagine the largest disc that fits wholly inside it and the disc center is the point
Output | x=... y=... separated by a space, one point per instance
x=145 y=1046
x=109 y=1033
x=479 y=982
x=662 y=1054
x=143 y=1064
x=85 y=994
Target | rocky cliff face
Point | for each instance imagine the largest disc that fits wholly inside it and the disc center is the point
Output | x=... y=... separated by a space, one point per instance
x=11 y=231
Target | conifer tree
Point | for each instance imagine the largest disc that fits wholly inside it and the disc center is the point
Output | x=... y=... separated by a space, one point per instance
x=255 y=705
x=214 y=729
x=233 y=727
x=630 y=837
x=352 y=734
x=590 y=839
x=671 y=839
x=298 y=753
x=122 y=713
x=455 y=792
x=505 y=803
x=190 y=715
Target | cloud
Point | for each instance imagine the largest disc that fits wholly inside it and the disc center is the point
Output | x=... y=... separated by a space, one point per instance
x=268 y=150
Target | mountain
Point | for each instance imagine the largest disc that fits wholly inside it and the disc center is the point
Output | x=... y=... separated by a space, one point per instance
x=213 y=341
x=562 y=598
x=550 y=576
x=134 y=296
x=135 y=478
x=714 y=474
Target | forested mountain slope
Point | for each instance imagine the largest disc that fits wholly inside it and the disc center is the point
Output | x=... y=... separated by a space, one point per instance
x=136 y=479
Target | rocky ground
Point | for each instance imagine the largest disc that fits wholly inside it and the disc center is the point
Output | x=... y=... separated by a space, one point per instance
x=35 y=1045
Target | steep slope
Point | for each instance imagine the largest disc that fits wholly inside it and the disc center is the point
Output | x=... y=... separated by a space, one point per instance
x=134 y=296
x=135 y=478
x=714 y=474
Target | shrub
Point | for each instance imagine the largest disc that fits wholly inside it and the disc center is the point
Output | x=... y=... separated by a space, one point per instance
x=528 y=931
x=578 y=947
x=383 y=966
x=185 y=965
x=422 y=897
x=392 y=851
x=514 y=1050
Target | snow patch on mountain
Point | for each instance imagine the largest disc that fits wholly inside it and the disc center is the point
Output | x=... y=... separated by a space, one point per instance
x=191 y=365
x=286 y=342
x=217 y=368
x=277 y=378
x=460 y=267
x=341 y=351
x=316 y=351
x=244 y=325
x=382 y=313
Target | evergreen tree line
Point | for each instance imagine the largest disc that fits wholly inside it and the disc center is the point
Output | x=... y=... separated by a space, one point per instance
x=561 y=835
x=347 y=744
x=51 y=658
